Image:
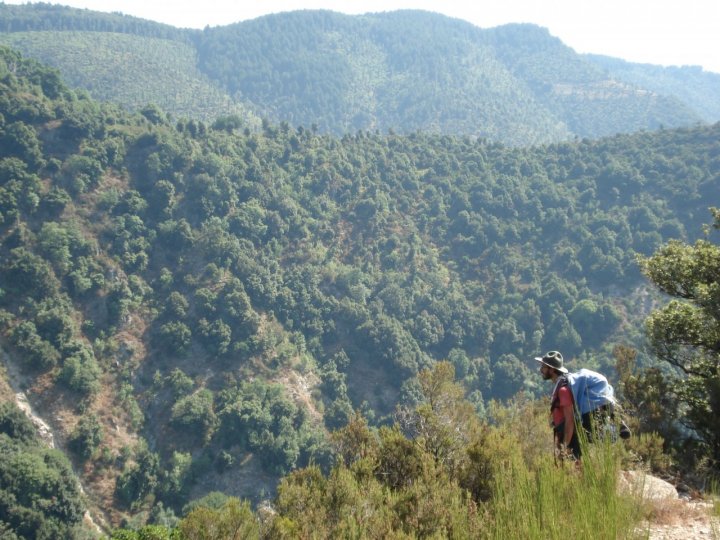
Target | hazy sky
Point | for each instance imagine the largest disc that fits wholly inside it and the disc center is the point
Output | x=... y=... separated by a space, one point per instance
x=664 y=32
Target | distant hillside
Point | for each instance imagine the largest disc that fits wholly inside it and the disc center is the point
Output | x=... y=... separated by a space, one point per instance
x=41 y=16
x=692 y=85
x=590 y=101
x=133 y=71
x=402 y=71
x=411 y=70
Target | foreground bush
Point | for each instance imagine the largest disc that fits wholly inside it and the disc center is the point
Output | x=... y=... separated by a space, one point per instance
x=444 y=474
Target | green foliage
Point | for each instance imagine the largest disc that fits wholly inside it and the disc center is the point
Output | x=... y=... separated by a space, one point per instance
x=15 y=424
x=20 y=140
x=214 y=500
x=650 y=404
x=140 y=477
x=687 y=82
x=26 y=273
x=174 y=337
x=147 y=532
x=177 y=478
x=165 y=71
x=234 y=519
x=684 y=333
x=259 y=417
x=390 y=485
x=194 y=413
x=35 y=351
x=179 y=383
x=54 y=322
x=649 y=449
x=86 y=437
x=80 y=173
x=39 y=497
x=80 y=371
x=443 y=423
x=526 y=503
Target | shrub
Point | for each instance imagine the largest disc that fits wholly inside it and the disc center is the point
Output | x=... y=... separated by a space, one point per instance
x=86 y=437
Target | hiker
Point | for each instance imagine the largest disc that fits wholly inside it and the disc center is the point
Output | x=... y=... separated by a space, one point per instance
x=583 y=406
x=562 y=407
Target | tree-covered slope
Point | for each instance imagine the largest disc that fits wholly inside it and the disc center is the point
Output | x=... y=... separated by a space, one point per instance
x=132 y=71
x=410 y=70
x=402 y=71
x=198 y=303
x=405 y=71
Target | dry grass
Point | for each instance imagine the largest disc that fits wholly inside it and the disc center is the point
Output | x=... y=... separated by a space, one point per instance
x=673 y=512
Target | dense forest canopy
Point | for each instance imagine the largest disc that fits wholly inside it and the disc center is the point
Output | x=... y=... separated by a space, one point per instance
x=232 y=294
x=402 y=71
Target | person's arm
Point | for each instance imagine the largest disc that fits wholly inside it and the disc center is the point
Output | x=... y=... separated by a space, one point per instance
x=569 y=415
x=566 y=405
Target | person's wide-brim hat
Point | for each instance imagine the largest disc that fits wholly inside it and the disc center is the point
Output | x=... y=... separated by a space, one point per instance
x=552 y=359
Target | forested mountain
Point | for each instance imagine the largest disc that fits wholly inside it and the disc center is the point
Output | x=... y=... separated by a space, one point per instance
x=197 y=304
x=402 y=71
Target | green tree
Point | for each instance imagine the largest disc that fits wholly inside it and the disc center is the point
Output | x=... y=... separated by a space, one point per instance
x=195 y=414
x=233 y=520
x=179 y=383
x=37 y=352
x=20 y=140
x=81 y=173
x=140 y=477
x=39 y=497
x=15 y=423
x=80 y=371
x=216 y=336
x=443 y=423
x=28 y=274
x=175 y=337
x=686 y=332
x=86 y=437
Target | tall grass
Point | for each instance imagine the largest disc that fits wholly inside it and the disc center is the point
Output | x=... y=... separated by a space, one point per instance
x=714 y=491
x=548 y=500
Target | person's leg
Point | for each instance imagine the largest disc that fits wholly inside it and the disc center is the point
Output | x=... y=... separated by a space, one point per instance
x=588 y=426
x=574 y=446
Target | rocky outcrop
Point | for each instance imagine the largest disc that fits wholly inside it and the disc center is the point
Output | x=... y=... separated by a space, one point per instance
x=645 y=485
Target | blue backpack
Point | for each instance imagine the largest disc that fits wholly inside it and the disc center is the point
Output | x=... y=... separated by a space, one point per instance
x=590 y=390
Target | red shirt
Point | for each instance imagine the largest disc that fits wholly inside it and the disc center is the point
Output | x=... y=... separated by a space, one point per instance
x=565 y=399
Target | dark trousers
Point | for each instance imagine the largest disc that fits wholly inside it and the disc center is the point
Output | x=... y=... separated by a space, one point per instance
x=574 y=446
x=589 y=422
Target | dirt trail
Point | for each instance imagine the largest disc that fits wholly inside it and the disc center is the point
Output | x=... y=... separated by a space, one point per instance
x=671 y=517
x=686 y=520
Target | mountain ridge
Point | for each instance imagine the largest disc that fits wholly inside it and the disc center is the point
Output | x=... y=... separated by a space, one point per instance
x=403 y=71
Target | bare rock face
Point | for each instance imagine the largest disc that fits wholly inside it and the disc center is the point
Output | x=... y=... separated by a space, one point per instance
x=43 y=430
x=651 y=487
